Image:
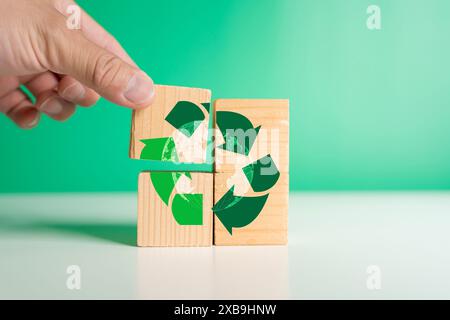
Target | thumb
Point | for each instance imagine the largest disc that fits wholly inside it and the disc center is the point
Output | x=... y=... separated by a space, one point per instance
x=108 y=75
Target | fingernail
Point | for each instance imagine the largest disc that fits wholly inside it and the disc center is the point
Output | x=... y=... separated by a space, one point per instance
x=74 y=92
x=31 y=124
x=140 y=89
x=27 y=118
x=51 y=106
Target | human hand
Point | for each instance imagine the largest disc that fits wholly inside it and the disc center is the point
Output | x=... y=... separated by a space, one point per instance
x=60 y=66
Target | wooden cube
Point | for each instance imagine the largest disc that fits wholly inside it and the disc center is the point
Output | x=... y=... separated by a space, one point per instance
x=261 y=217
x=174 y=130
x=251 y=182
x=258 y=127
x=174 y=209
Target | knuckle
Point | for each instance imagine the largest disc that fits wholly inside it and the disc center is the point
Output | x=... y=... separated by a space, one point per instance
x=53 y=39
x=107 y=70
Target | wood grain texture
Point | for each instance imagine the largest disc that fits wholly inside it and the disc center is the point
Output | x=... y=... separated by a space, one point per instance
x=156 y=225
x=273 y=137
x=269 y=228
x=150 y=122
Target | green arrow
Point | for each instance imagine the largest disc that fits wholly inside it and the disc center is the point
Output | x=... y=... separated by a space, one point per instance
x=238 y=211
x=187 y=209
x=186 y=116
x=262 y=174
x=237 y=131
x=164 y=183
x=207 y=106
x=160 y=149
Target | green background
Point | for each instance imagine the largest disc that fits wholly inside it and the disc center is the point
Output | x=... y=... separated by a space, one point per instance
x=369 y=109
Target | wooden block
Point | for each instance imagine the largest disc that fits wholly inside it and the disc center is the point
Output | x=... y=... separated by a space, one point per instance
x=251 y=180
x=270 y=227
x=265 y=122
x=174 y=129
x=174 y=209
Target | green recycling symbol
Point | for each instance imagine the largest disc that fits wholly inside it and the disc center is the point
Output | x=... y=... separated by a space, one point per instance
x=187 y=208
x=239 y=211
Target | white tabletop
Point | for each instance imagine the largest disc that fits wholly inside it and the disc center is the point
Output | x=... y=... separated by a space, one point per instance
x=341 y=245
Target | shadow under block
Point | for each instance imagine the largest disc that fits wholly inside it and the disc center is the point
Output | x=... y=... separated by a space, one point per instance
x=174 y=209
x=251 y=180
x=174 y=133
